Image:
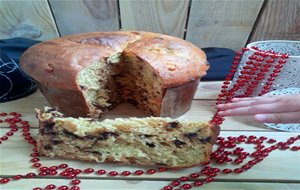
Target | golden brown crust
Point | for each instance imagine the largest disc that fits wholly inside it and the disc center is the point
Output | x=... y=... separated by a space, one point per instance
x=56 y=64
x=59 y=60
x=176 y=61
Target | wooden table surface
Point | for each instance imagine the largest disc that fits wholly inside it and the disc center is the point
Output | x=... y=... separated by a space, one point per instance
x=279 y=171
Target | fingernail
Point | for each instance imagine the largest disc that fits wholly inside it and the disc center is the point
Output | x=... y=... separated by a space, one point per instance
x=260 y=117
x=221 y=113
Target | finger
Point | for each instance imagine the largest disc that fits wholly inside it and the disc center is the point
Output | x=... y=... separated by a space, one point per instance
x=260 y=109
x=288 y=117
x=246 y=103
x=253 y=98
x=234 y=105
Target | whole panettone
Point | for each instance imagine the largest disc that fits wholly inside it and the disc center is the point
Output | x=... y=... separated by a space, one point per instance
x=86 y=74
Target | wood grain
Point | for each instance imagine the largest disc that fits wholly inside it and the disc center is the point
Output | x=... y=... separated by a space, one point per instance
x=222 y=23
x=27 y=19
x=266 y=171
x=85 y=16
x=203 y=109
x=280 y=20
x=167 y=17
x=89 y=184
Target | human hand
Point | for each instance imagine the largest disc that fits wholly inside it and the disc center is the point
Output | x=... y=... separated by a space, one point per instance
x=266 y=109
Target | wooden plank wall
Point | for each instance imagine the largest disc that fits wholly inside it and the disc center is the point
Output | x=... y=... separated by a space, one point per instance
x=206 y=23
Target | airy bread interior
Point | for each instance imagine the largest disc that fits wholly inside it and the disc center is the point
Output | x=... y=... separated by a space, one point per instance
x=118 y=79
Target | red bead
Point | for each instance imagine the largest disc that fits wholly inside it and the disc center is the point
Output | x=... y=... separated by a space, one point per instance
x=238 y=161
x=281 y=62
x=101 y=172
x=30 y=175
x=183 y=178
x=35 y=159
x=52 y=168
x=252 y=162
x=276 y=70
x=113 y=173
x=88 y=170
x=75 y=188
x=36 y=165
x=168 y=188
x=252 y=57
x=53 y=172
x=43 y=173
x=126 y=173
x=175 y=183
x=208 y=179
x=246 y=167
x=75 y=181
x=43 y=169
x=238 y=170
x=9 y=133
x=260 y=59
x=64 y=187
x=151 y=171
x=212 y=174
x=37 y=188
x=271 y=141
x=274 y=74
x=4 y=138
x=239 y=53
x=69 y=169
x=186 y=186
x=34 y=154
x=227 y=171
x=257 y=53
x=194 y=175
x=295 y=148
x=284 y=56
x=63 y=166
x=51 y=186
x=236 y=58
x=3 y=114
x=139 y=172
x=17 y=177
x=4 y=180
x=198 y=183
x=77 y=171
x=274 y=147
x=162 y=169
x=12 y=113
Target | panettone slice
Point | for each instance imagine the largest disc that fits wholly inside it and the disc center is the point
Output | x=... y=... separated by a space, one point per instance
x=150 y=141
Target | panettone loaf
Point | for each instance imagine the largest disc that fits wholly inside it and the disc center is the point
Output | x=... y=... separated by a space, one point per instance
x=86 y=74
x=151 y=141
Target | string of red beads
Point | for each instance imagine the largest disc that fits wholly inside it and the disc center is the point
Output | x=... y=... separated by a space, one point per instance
x=226 y=153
